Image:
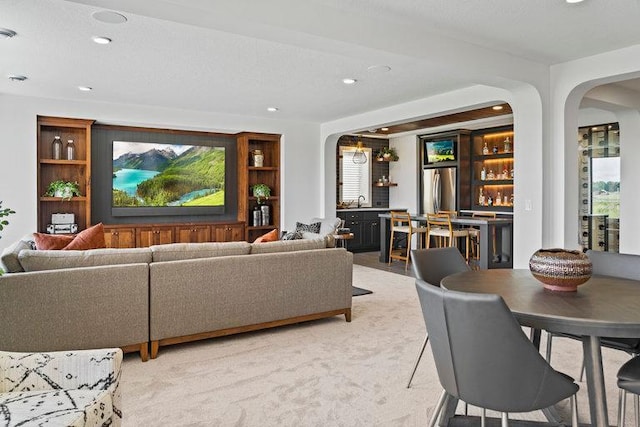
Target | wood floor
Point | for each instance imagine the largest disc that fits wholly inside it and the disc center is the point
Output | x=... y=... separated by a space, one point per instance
x=370 y=259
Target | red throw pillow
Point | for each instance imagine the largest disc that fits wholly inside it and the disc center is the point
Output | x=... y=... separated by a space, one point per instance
x=91 y=238
x=51 y=241
x=271 y=236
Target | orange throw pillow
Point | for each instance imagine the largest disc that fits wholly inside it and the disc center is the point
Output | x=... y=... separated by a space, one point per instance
x=91 y=238
x=51 y=241
x=271 y=236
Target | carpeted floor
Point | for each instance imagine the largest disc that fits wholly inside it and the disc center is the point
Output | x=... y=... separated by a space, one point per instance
x=322 y=373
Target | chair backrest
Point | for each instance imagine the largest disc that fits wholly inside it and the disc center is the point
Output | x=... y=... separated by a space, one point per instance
x=439 y=220
x=483 y=215
x=451 y=214
x=482 y=355
x=626 y=266
x=434 y=264
x=400 y=219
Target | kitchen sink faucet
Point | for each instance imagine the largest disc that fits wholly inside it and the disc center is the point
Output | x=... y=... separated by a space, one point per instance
x=363 y=199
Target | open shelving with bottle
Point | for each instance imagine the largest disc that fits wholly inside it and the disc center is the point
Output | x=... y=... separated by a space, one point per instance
x=254 y=170
x=55 y=164
x=492 y=169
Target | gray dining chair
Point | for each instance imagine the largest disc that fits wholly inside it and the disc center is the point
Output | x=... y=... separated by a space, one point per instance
x=433 y=265
x=629 y=381
x=612 y=264
x=484 y=358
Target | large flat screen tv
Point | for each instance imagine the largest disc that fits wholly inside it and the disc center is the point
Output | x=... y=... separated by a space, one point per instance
x=167 y=179
x=442 y=151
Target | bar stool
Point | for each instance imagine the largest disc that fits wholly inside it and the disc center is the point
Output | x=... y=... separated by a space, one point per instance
x=401 y=223
x=439 y=226
x=629 y=381
x=474 y=234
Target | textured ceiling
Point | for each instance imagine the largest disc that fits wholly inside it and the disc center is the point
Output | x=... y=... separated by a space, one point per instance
x=241 y=56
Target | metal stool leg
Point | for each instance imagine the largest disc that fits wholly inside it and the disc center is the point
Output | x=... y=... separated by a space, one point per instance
x=415 y=366
x=438 y=409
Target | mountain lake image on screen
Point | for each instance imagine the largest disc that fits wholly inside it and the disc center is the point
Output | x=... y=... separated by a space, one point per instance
x=167 y=175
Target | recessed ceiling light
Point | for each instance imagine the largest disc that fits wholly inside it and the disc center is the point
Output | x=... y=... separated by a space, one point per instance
x=349 y=81
x=497 y=107
x=379 y=69
x=17 y=78
x=574 y=1
x=109 y=17
x=85 y=88
x=272 y=109
x=384 y=129
x=6 y=33
x=101 y=40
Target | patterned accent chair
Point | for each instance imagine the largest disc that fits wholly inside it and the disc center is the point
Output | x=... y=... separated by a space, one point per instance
x=64 y=388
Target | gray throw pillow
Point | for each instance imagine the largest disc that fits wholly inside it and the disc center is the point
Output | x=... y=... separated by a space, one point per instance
x=292 y=235
x=310 y=228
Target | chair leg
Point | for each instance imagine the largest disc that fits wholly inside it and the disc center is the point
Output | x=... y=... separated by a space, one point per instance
x=636 y=408
x=483 y=418
x=415 y=366
x=622 y=403
x=406 y=260
x=391 y=247
x=549 y=342
x=505 y=419
x=438 y=409
x=582 y=370
x=574 y=410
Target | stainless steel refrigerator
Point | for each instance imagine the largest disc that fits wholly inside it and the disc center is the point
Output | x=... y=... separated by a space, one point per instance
x=439 y=190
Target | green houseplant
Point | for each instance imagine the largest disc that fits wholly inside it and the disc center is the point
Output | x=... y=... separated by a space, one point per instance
x=64 y=189
x=3 y=222
x=387 y=153
x=261 y=191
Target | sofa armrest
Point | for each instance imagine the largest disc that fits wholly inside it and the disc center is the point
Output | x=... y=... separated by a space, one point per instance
x=64 y=370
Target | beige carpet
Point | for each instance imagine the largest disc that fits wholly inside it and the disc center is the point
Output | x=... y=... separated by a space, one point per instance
x=321 y=373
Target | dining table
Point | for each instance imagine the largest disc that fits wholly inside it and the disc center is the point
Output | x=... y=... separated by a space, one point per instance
x=603 y=306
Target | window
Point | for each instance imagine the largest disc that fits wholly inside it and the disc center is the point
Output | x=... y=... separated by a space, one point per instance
x=355 y=178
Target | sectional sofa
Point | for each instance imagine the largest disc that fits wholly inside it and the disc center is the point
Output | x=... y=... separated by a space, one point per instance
x=144 y=298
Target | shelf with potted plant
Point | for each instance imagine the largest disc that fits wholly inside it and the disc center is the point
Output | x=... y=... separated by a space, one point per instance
x=387 y=154
x=386 y=184
x=61 y=190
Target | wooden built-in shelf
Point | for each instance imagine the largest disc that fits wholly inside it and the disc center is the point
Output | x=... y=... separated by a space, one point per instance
x=388 y=184
x=60 y=199
x=63 y=162
x=263 y=168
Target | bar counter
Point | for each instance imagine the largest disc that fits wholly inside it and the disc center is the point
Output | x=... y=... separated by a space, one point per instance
x=496 y=238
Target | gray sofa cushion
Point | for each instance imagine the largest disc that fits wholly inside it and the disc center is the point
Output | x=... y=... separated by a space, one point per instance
x=180 y=251
x=33 y=260
x=288 y=246
x=9 y=257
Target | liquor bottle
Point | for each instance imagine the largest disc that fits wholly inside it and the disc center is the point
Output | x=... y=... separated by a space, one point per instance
x=498 y=199
x=71 y=150
x=485 y=149
x=483 y=174
x=56 y=148
x=504 y=201
x=481 y=198
x=491 y=175
x=495 y=149
x=490 y=201
x=507 y=145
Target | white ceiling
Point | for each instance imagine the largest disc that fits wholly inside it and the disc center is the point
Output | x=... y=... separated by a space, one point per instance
x=241 y=56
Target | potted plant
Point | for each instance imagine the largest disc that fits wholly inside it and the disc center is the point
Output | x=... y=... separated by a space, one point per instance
x=64 y=189
x=261 y=191
x=3 y=213
x=387 y=154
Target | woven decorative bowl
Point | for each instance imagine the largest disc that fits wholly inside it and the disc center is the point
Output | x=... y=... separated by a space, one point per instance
x=560 y=269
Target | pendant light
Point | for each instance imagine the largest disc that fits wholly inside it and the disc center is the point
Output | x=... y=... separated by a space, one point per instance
x=359 y=156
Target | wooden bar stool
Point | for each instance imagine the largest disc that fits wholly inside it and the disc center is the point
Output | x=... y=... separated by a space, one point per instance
x=401 y=223
x=474 y=235
x=439 y=226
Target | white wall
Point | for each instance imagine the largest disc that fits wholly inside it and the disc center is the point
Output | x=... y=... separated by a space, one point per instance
x=406 y=173
x=301 y=177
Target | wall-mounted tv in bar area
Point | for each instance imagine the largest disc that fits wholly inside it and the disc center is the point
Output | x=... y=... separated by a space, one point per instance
x=438 y=152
